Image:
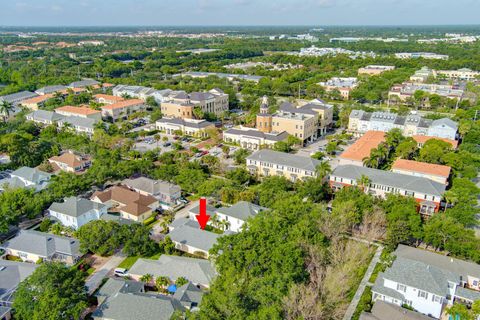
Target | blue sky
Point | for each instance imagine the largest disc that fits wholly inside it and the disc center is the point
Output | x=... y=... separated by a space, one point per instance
x=237 y=12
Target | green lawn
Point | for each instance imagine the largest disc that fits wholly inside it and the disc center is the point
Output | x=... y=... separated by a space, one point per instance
x=130 y=261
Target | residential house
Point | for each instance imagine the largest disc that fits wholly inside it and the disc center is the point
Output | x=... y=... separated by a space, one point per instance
x=107 y=98
x=198 y=271
x=44 y=117
x=79 y=124
x=426 y=192
x=141 y=92
x=228 y=76
x=412 y=125
x=122 y=109
x=84 y=83
x=25 y=177
x=272 y=163
x=189 y=296
x=435 y=172
x=17 y=98
x=165 y=192
x=422 y=139
x=373 y=70
x=306 y=121
x=82 y=112
x=51 y=90
x=188 y=237
x=190 y=127
x=427 y=281
x=70 y=162
x=11 y=274
x=423 y=75
x=362 y=148
x=129 y=204
x=74 y=212
x=387 y=311
x=120 y=299
x=36 y=102
x=343 y=85
x=253 y=139
x=32 y=246
x=236 y=215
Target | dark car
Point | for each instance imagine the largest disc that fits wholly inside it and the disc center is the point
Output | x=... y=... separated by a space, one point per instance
x=167 y=144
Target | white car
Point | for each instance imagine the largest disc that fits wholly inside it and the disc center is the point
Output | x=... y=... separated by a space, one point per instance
x=120 y=272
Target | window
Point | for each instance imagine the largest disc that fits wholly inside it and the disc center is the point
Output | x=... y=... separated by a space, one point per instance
x=401 y=287
x=436 y=299
x=422 y=294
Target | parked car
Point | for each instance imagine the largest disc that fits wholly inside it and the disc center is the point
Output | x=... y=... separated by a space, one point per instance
x=167 y=144
x=120 y=272
x=205 y=152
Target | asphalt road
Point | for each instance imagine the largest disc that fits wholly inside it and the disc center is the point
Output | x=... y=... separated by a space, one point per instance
x=94 y=281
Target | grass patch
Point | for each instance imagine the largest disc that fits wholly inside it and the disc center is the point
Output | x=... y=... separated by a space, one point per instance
x=378 y=268
x=128 y=262
x=365 y=303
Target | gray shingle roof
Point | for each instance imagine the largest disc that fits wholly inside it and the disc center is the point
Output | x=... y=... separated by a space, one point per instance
x=285 y=159
x=152 y=186
x=79 y=122
x=11 y=274
x=75 y=207
x=392 y=179
x=242 y=210
x=258 y=134
x=83 y=83
x=43 y=244
x=188 y=124
x=18 y=96
x=386 y=311
x=198 y=271
x=50 y=89
x=191 y=235
x=188 y=295
x=445 y=122
x=467 y=294
x=201 y=96
x=31 y=174
x=44 y=115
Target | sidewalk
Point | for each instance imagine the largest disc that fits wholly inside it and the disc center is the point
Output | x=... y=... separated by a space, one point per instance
x=358 y=294
x=94 y=281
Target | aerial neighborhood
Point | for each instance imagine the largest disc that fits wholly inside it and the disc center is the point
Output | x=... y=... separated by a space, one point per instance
x=239 y=173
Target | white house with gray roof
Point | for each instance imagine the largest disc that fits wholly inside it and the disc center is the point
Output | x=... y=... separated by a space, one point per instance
x=273 y=163
x=31 y=246
x=18 y=97
x=44 y=117
x=165 y=192
x=236 y=215
x=83 y=83
x=426 y=192
x=126 y=300
x=78 y=124
x=198 y=271
x=26 y=177
x=141 y=92
x=427 y=281
x=188 y=237
x=361 y=121
x=50 y=89
x=74 y=212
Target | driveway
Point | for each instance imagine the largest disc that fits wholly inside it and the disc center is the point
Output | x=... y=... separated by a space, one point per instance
x=94 y=281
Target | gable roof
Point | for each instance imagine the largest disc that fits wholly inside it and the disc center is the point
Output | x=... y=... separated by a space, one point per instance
x=75 y=207
x=81 y=122
x=31 y=174
x=445 y=122
x=18 y=96
x=392 y=179
x=43 y=244
x=134 y=202
x=188 y=294
x=70 y=159
x=363 y=146
x=82 y=110
x=50 y=89
x=198 y=271
x=44 y=115
x=241 y=210
x=38 y=99
x=187 y=232
x=123 y=104
x=11 y=274
x=386 y=311
x=285 y=159
x=83 y=83
x=423 y=139
x=152 y=186
x=422 y=167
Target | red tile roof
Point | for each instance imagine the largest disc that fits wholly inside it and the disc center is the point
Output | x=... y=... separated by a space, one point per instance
x=422 y=167
x=423 y=139
x=362 y=147
x=78 y=110
x=123 y=104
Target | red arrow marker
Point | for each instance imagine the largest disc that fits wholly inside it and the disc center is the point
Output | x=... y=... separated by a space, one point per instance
x=203 y=217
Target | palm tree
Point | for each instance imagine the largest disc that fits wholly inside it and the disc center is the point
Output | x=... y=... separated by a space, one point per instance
x=382 y=152
x=393 y=137
x=5 y=109
x=364 y=183
x=323 y=169
x=371 y=161
x=157 y=138
x=147 y=278
x=161 y=282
